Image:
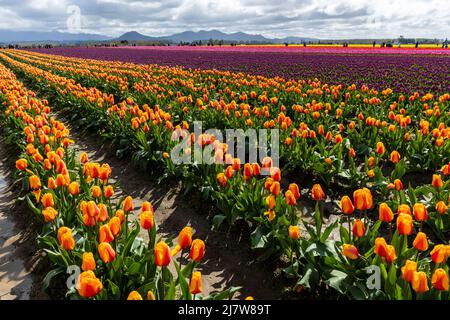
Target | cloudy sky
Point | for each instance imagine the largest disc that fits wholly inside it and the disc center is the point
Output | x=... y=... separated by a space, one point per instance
x=274 y=18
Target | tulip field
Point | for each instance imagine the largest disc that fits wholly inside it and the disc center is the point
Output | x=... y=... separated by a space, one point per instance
x=358 y=207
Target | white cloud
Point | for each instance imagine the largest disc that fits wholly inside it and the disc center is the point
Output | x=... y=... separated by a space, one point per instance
x=313 y=18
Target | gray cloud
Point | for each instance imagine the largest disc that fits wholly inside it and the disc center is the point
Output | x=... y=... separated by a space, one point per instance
x=273 y=18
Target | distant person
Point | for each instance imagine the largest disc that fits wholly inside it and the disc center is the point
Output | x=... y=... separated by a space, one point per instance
x=417 y=44
x=374 y=44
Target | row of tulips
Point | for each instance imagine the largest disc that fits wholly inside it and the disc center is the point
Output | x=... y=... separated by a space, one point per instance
x=320 y=258
x=412 y=128
x=84 y=227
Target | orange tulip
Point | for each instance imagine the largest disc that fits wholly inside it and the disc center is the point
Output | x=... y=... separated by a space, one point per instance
x=420 y=212
x=256 y=169
x=84 y=158
x=346 y=205
x=439 y=280
x=380 y=148
x=290 y=198
x=51 y=183
x=134 y=295
x=271 y=202
x=47 y=200
x=105 y=172
x=420 y=282
x=195 y=285
x=105 y=234
x=362 y=199
x=185 y=237
x=109 y=191
x=35 y=183
x=441 y=207
x=96 y=192
x=385 y=213
x=440 y=253
x=398 y=184
x=21 y=164
x=222 y=180
x=358 y=228
x=437 y=181
x=421 y=242
x=395 y=157
x=88 y=284
x=197 y=250
x=404 y=224
x=49 y=214
x=404 y=208
x=408 y=270
x=293 y=187
x=128 y=204
x=74 y=188
x=275 y=174
x=88 y=262
x=65 y=238
x=119 y=214
x=162 y=254
x=115 y=226
x=275 y=188
x=248 y=171
x=147 y=220
x=294 y=232
x=317 y=193
x=150 y=296
x=350 y=251
x=384 y=250
x=106 y=252
x=103 y=213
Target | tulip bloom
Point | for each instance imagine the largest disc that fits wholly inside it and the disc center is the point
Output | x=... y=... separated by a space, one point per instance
x=222 y=180
x=350 y=251
x=106 y=252
x=275 y=188
x=248 y=171
x=195 y=285
x=398 y=185
x=385 y=213
x=420 y=282
x=134 y=295
x=346 y=205
x=275 y=174
x=197 y=250
x=96 y=192
x=380 y=148
x=35 y=183
x=384 y=250
x=293 y=187
x=65 y=238
x=47 y=200
x=437 y=181
x=441 y=207
x=109 y=191
x=88 y=262
x=420 y=212
x=439 y=280
x=49 y=214
x=88 y=284
x=317 y=193
x=150 y=296
x=404 y=224
x=271 y=202
x=147 y=220
x=362 y=198
x=404 y=208
x=115 y=226
x=358 y=228
x=420 y=242
x=128 y=204
x=290 y=198
x=440 y=253
x=185 y=238
x=21 y=164
x=408 y=270
x=162 y=254
x=74 y=188
x=395 y=157
x=294 y=232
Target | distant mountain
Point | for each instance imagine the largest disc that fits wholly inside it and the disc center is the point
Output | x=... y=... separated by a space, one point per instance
x=7 y=36
x=204 y=35
x=135 y=36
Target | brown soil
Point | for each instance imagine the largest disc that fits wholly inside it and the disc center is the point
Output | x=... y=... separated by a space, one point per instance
x=19 y=258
